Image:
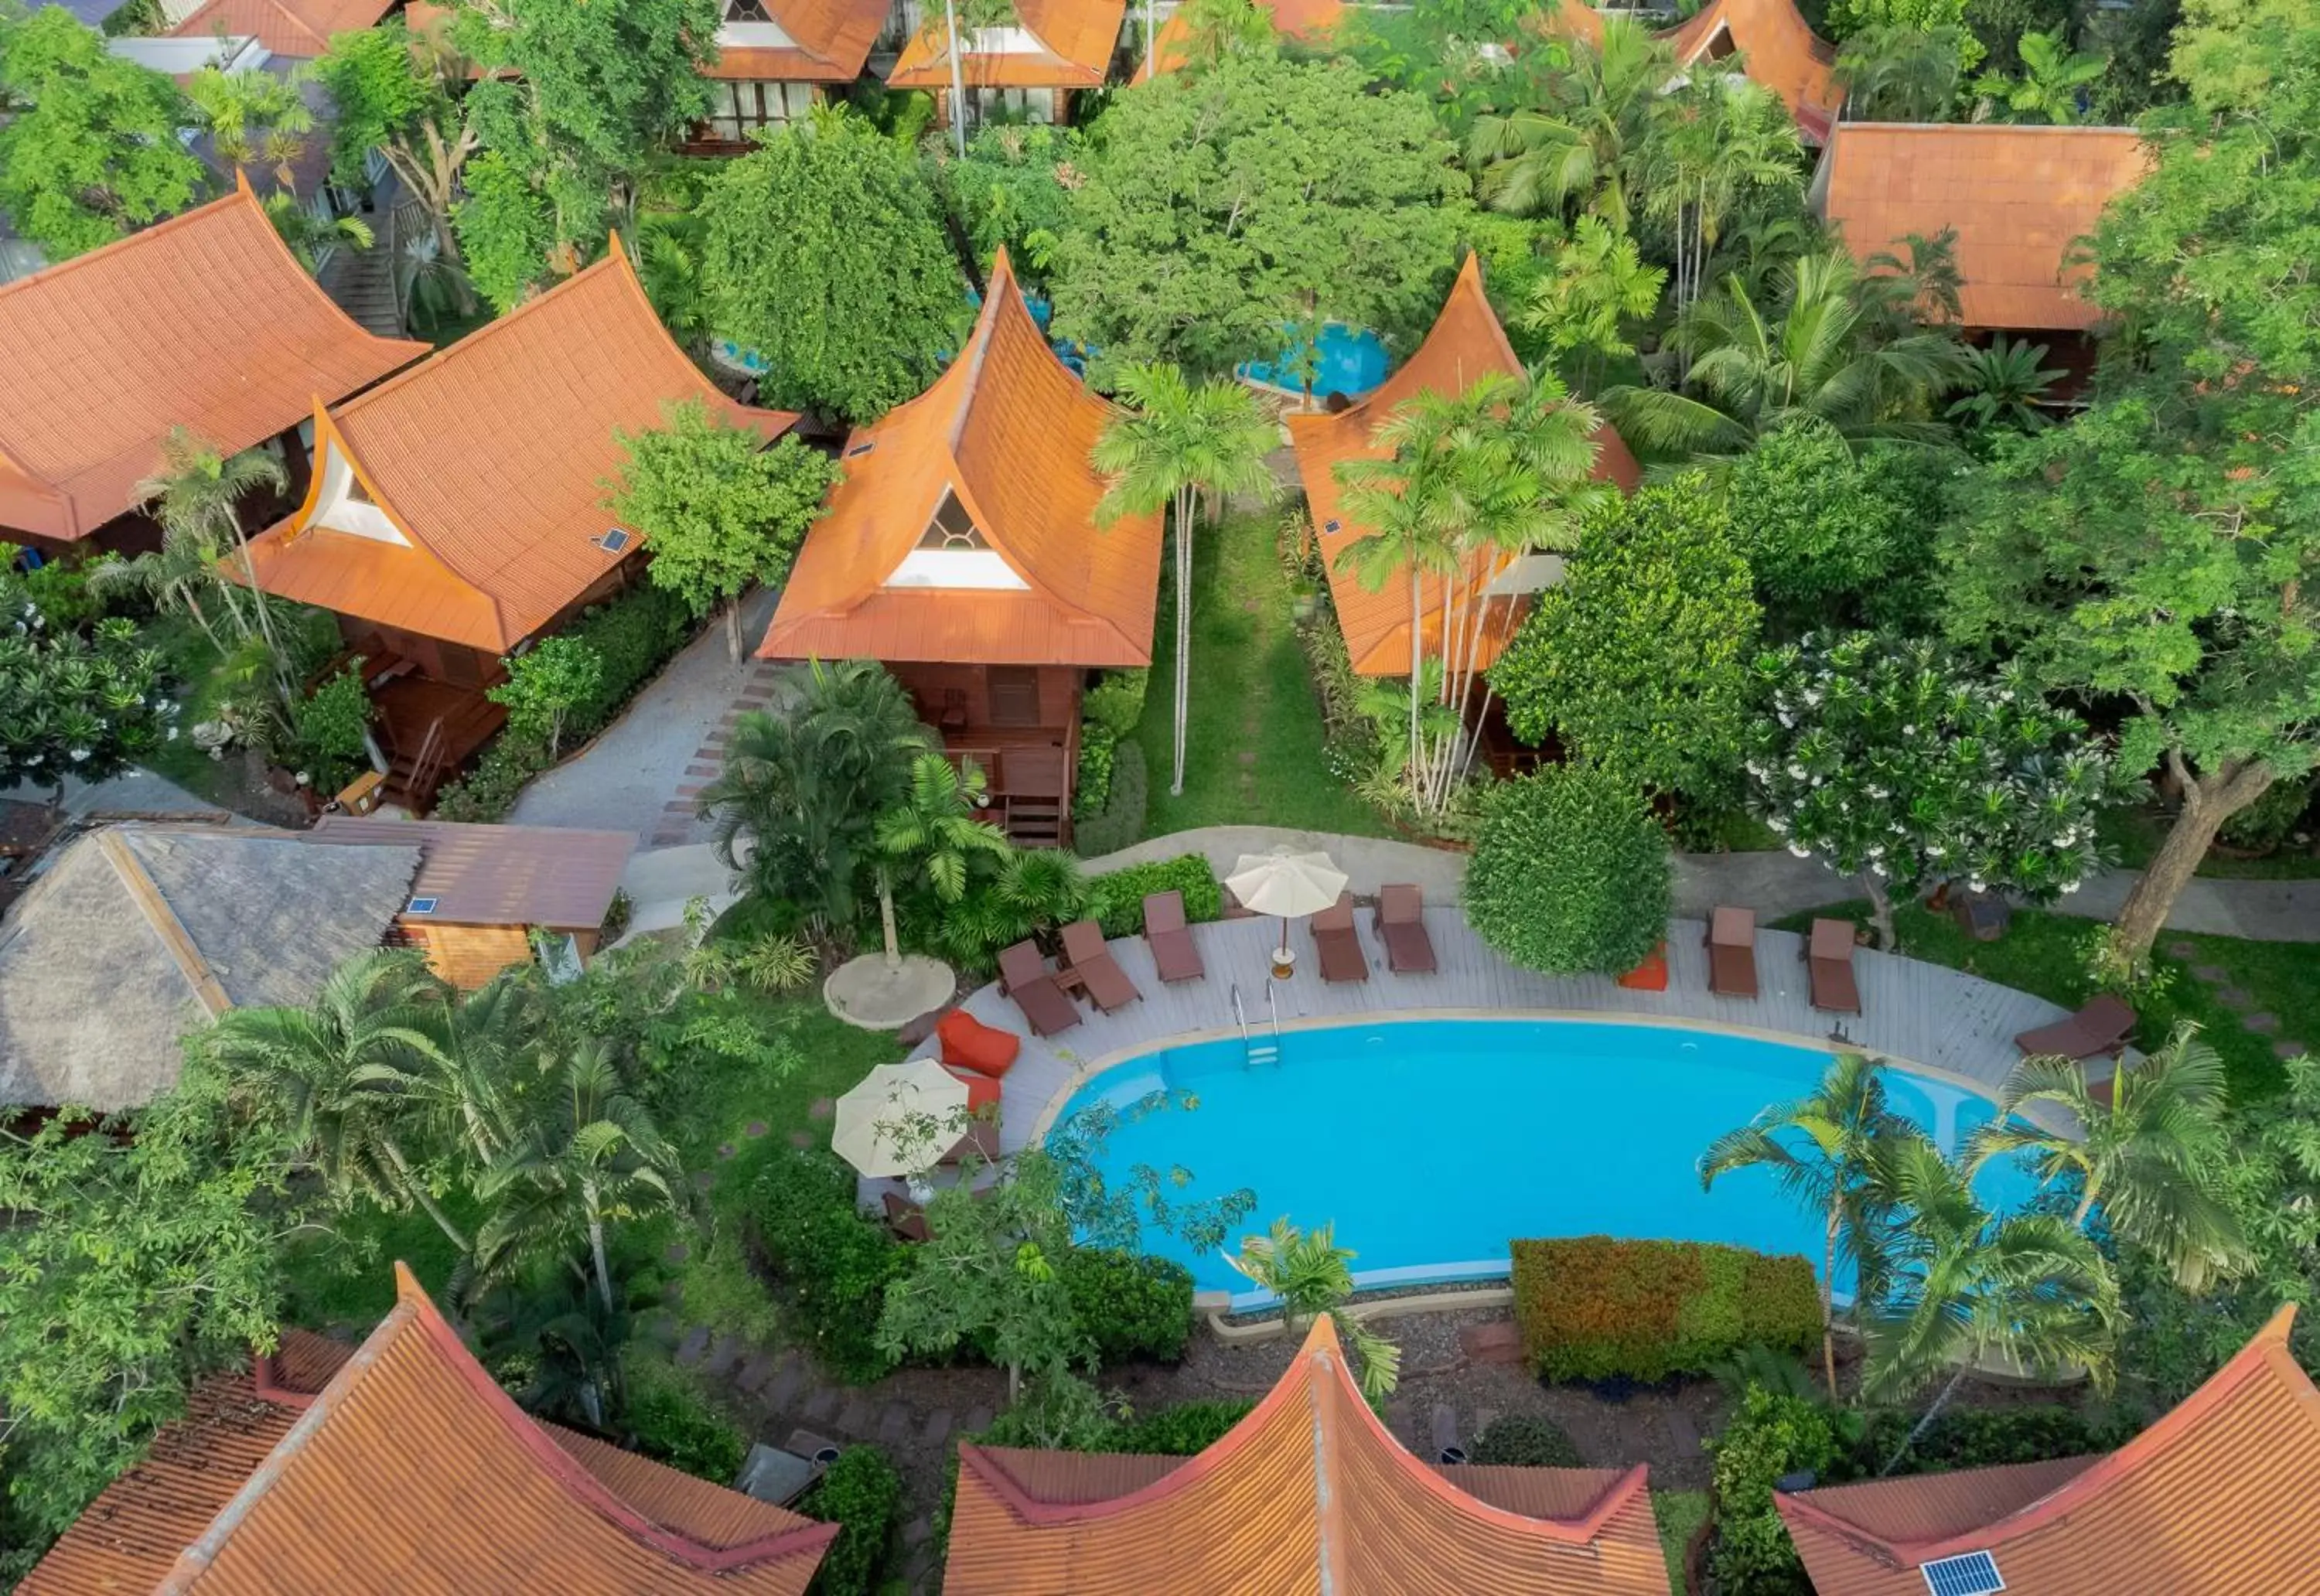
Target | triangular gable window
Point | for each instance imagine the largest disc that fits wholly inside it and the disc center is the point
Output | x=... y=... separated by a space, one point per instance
x=746 y=10
x=342 y=505
x=952 y=528
x=953 y=552
x=1721 y=48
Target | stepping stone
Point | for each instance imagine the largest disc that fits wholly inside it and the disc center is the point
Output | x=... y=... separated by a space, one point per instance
x=704 y=1180
x=754 y=1128
x=802 y=1138
x=724 y=1354
x=894 y=1424
x=821 y=1108
x=756 y=1371
x=937 y=1427
x=2213 y=974
x=917 y=1530
x=725 y=1149
x=859 y=1417
x=978 y=1422
x=1683 y=1435
x=676 y=1252
x=673 y=1292
x=821 y=1404
x=1499 y=1341
x=2236 y=998
x=783 y=1390
x=2287 y=1049
x=2183 y=950
x=695 y=1343
x=1246 y=755
x=2263 y=1025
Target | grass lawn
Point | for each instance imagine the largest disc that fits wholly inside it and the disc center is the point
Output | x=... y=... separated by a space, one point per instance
x=2137 y=833
x=2044 y=953
x=1254 y=747
x=1680 y=1514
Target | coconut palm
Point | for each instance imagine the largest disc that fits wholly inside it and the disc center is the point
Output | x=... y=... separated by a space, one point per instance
x=2054 y=79
x=376 y=1017
x=590 y=1157
x=2147 y=1151
x=1175 y=441
x=1898 y=73
x=1582 y=147
x=172 y=576
x=933 y=831
x=253 y=118
x=196 y=495
x=1821 y=1150
x=310 y=237
x=1312 y=1276
x=2004 y=385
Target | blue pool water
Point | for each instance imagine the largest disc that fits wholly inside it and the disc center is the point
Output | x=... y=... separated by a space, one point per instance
x=1352 y=362
x=1433 y=1143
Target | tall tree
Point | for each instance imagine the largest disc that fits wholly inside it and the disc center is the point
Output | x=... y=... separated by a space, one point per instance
x=1897 y=72
x=390 y=92
x=197 y=497
x=868 y=294
x=2054 y=79
x=1582 y=144
x=90 y=152
x=1175 y=441
x=1716 y=145
x=1580 y=308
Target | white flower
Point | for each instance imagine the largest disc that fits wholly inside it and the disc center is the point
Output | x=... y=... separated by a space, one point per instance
x=2070 y=887
x=1909 y=731
x=1878 y=871
x=1812 y=695
x=78 y=755
x=1801 y=852
x=172 y=735
x=1796 y=771
x=1787 y=719
x=1776 y=825
x=1975 y=887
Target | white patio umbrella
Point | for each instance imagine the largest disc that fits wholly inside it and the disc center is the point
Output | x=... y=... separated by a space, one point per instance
x=1292 y=886
x=901 y=1119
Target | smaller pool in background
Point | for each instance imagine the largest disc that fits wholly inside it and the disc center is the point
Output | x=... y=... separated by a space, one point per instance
x=1349 y=360
x=1431 y=1144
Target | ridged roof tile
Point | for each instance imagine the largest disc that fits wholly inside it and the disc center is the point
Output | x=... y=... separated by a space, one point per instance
x=1078 y=39
x=1779 y=49
x=1306 y=22
x=832 y=40
x=300 y=28
x=556 y=876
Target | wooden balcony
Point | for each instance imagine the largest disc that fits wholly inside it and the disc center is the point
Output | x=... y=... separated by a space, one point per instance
x=1030 y=776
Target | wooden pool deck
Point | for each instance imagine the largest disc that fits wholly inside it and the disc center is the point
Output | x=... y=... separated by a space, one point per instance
x=1932 y=1020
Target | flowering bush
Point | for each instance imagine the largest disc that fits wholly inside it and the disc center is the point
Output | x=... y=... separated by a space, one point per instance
x=82 y=702
x=1888 y=760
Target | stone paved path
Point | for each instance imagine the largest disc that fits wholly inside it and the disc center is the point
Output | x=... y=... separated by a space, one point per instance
x=2240 y=1002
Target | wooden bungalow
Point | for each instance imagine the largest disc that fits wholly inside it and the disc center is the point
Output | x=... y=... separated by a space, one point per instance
x=1777 y=47
x=961 y=550
x=205 y=321
x=2215 y=1499
x=457 y=513
x=1310 y=23
x=400 y=1468
x=299 y=29
x=482 y=891
x=776 y=58
x=1030 y=71
x=1309 y=1493
x=1465 y=341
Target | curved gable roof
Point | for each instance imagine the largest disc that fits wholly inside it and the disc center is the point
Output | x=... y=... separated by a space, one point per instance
x=300 y=28
x=1780 y=51
x=1307 y=21
x=1075 y=40
x=829 y=42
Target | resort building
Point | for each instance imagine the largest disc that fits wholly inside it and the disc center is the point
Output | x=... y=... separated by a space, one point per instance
x=1465 y=341
x=775 y=59
x=2018 y=198
x=1307 y=1494
x=1028 y=71
x=299 y=29
x=1778 y=49
x=2214 y=1500
x=960 y=548
x=205 y=321
x=398 y=1467
x=455 y=513
x=1311 y=23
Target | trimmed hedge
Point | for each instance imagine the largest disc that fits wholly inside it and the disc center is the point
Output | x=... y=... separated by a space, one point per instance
x=831 y=1263
x=1525 y=1440
x=669 y=1418
x=1125 y=807
x=1116 y=898
x=862 y=1494
x=1769 y=1435
x=1184 y=1430
x=1597 y=1308
x=1130 y=1306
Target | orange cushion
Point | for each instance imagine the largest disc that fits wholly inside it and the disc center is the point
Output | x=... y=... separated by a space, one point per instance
x=982 y=1091
x=967 y=1040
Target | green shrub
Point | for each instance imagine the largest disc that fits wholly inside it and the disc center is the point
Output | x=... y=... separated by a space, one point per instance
x=1115 y=705
x=1092 y=787
x=1130 y=1306
x=328 y=728
x=1125 y=805
x=633 y=637
x=861 y=1494
x=1987 y=1437
x=831 y=1263
x=1527 y=1441
x=1570 y=872
x=1116 y=898
x=1769 y=1437
x=1184 y=1430
x=485 y=793
x=2271 y=819
x=1595 y=1308
x=671 y=1419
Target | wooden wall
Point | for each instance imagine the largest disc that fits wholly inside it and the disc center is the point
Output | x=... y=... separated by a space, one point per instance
x=468 y=956
x=931 y=685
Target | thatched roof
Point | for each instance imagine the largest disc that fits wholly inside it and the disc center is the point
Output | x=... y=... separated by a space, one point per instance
x=140 y=933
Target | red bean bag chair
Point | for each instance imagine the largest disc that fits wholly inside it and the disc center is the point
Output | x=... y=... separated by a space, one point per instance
x=982 y=1091
x=967 y=1040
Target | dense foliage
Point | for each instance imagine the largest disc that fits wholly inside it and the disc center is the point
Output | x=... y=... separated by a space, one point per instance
x=1770 y=1438
x=76 y=701
x=830 y=1263
x=1570 y=872
x=861 y=1493
x=1592 y=1307
x=1525 y=1440
x=1116 y=898
x=1130 y=1305
x=1832 y=534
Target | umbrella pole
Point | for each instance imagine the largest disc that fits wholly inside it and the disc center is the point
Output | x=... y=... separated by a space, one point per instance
x=1285 y=933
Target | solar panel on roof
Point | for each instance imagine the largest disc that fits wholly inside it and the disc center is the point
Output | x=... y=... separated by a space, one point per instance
x=614 y=541
x=1332 y=526
x=422 y=906
x=1971 y=1574
x=861 y=449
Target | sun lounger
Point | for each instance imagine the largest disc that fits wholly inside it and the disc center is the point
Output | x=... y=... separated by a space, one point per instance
x=907 y=1219
x=1828 y=967
x=1106 y=983
x=1023 y=976
x=1169 y=939
x=1338 y=944
x=2099 y=1031
x=980 y=1142
x=1732 y=953
x=1401 y=927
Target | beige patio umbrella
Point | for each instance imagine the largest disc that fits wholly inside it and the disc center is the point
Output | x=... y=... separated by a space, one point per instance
x=901 y=1119
x=1292 y=886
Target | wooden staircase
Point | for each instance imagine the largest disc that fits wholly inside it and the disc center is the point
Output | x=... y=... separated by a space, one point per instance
x=363 y=282
x=427 y=729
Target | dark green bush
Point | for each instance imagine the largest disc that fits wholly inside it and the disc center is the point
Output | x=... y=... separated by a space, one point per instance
x=1594 y=1308
x=1182 y=1431
x=668 y=1418
x=1121 y=820
x=831 y=1263
x=861 y=1494
x=1116 y=898
x=1130 y=1306
x=634 y=635
x=1769 y=1437
x=485 y=793
x=1092 y=787
x=1570 y=872
x=1986 y=1437
x=1527 y=1441
x=2271 y=819
x=1115 y=705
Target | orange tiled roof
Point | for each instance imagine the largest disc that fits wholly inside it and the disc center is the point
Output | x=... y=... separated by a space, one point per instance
x=1309 y=1493
x=1570 y=19
x=831 y=42
x=1465 y=342
x=1009 y=428
x=1076 y=39
x=1780 y=51
x=2018 y=198
x=489 y=460
x=2214 y=1500
x=1309 y=22
x=300 y=28
x=204 y=321
x=400 y=1468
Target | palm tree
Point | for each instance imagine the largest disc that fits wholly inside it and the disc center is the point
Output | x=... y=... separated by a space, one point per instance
x=2147 y=1151
x=1714 y=142
x=197 y=497
x=2004 y=386
x=173 y=574
x=2030 y=1289
x=934 y=830
x=1898 y=73
x=253 y=118
x=379 y=1018
x=2053 y=81
x=1580 y=148
x=1217 y=29
x=1312 y=1276
x=1599 y=283
x=591 y=1156
x=308 y=236
x=1822 y=1151
x=1176 y=441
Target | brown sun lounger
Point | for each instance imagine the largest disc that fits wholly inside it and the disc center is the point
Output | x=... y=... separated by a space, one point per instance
x=1401 y=927
x=1338 y=944
x=1099 y=975
x=1169 y=939
x=2099 y=1031
x=1828 y=967
x=1023 y=976
x=1732 y=953
x=907 y=1219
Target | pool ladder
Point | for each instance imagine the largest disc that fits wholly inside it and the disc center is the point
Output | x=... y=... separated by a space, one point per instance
x=1252 y=1050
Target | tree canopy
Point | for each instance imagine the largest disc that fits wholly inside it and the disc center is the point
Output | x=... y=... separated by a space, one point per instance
x=1570 y=871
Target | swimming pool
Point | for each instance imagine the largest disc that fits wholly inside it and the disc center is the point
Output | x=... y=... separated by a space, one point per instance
x=1349 y=360
x=1433 y=1143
